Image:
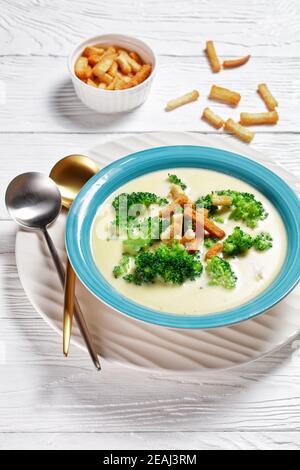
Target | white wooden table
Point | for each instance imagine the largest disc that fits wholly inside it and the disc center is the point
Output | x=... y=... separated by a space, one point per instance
x=47 y=401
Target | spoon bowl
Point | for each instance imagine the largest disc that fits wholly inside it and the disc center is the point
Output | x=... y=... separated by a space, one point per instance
x=70 y=174
x=33 y=200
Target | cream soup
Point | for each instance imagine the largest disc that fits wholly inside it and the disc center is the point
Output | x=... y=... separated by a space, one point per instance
x=255 y=270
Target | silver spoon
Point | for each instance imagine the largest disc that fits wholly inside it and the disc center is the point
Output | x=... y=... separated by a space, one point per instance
x=33 y=200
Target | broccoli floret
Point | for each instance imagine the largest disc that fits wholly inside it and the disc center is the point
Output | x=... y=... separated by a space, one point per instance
x=263 y=241
x=219 y=219
x=124 y=201
x=245 y=207
x=145 y=269
x=206 y=202
x=210 y=241
x=172 y=264
x=176 y=265
x=144 y=198
x=156 y=226
x=237 y=243
x=149 y=231
x=123 y=267
x=133 y=245
x=175 y=180
x=220 y=273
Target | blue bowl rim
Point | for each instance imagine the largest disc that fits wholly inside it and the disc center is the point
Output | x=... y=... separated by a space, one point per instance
x=117 y=173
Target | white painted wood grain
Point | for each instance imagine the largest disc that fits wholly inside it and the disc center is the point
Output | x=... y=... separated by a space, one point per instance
x=152 y=440
x=39 y=381
x=264 y=27
x=43 y=393
x=47 y=401
x=39 y=152
x=40 y=96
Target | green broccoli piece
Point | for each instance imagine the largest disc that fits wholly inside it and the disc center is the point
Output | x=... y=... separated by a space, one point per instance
x=263 y=241
x=210 y=241
x=144 y=198
x=175 y=180
x=155 y=227
x=206 y=202
x=172 y=264
x=220 y=273
x=124 y=201
x=219 y=219
x=145 y=269
x=149 y=231
x=237 y=243
x=176 y=265
x=123 y=267
x=133 y=245
x=245 y=207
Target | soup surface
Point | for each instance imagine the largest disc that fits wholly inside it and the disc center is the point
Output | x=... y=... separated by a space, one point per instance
x=255 y=270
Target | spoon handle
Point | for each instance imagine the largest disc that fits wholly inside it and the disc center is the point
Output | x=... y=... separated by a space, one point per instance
x=68 y=306
x=77 y=311
x=55 y=257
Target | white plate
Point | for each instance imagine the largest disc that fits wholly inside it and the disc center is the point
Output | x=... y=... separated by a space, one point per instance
x=132 y=343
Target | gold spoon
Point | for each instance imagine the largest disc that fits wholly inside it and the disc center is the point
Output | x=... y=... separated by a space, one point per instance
x=70 y=174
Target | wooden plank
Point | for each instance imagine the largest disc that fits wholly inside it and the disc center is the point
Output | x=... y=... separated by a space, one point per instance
x=171 y=27
x=150 y=440
x=39 y=381
x=39 y=152
x=40 y=96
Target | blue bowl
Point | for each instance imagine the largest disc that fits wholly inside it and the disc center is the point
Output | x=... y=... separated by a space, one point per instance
x=94 y=193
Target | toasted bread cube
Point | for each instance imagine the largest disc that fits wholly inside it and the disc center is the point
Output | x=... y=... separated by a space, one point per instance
x=102 y=66
x=111 y=50
x=115 y=84
x=135 y=66
x=214 y=250
x=94 y=59
x=238 y=130
x=106 y=78
x=254 y=119
x=224 y=95
x=123 y=61
x=212 y=57
x=181 y=100
x=113 y=69
x=230 y=64
x=143 y=73
x=92 y=50
x=221 y=200
x=136 y=57
x=82 y=68
x=92 y=83
x=212 y=118
x=267 y=96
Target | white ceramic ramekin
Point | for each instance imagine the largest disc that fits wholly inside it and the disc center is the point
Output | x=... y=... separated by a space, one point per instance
x=113 y=101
